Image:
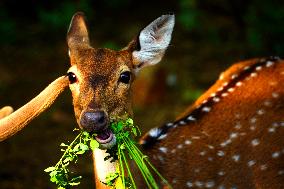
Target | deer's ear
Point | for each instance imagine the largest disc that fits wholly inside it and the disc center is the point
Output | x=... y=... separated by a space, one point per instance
x=77 y=35
x=153 y=41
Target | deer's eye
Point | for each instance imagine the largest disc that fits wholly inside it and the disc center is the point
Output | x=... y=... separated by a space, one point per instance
x=125 y=77
x=72 y=77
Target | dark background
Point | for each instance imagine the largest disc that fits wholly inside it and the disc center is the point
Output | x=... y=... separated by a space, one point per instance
x=208 y=37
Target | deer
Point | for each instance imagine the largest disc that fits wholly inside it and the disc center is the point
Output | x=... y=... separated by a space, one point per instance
x=230 y=137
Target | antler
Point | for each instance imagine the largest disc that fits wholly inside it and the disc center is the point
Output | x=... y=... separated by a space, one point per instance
x=11 y=124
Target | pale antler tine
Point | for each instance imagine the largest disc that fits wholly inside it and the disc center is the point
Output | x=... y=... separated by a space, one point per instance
x=16 y=121
x=5 y=111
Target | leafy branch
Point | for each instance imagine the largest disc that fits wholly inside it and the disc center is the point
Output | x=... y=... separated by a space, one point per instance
x=60 y=174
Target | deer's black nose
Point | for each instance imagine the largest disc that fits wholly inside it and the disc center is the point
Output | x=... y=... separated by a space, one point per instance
x=93 y=121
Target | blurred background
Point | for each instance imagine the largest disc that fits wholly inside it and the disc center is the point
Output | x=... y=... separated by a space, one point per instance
x=209 y=36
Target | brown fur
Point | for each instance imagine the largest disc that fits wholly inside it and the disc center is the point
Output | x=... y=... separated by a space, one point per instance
x=16 y=121
x=186 y=164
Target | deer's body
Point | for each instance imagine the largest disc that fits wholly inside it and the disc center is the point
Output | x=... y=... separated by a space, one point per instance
x=231 y=137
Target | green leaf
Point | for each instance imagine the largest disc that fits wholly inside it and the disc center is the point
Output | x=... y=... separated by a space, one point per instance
x=63 y=144
x=49 y=169
x=94 y=144
x=134 y=131
x=84 y=147
x=129 y=121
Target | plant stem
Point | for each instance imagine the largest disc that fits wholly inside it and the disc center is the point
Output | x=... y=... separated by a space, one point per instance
x=66 y=151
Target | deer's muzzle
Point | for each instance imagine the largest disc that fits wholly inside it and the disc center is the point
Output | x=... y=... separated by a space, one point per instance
x=94 y=120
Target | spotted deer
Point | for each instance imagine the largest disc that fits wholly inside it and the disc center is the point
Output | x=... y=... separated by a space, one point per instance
x=231 y=137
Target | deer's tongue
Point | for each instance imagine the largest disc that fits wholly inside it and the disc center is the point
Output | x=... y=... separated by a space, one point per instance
x=104 y=136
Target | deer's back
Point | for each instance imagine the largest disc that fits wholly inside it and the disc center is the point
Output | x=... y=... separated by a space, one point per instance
x=232 y=137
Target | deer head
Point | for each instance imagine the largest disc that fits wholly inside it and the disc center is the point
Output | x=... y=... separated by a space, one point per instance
x=101 y=79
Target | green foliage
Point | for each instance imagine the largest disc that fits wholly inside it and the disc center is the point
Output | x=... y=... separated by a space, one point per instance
x=124 y=151
x=60 y=174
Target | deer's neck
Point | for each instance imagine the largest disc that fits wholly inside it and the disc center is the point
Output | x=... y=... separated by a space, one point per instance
x=102 y=167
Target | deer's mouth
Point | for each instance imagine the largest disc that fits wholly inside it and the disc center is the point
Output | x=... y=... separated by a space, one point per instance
x=106 y=138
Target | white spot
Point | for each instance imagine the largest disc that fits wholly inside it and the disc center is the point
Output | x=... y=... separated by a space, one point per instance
x=239 y=84
x=263 y=167
x=269 y=63
x=173 y=151
x=282 y=124
x=275 y=95
x=225 y=84
x=225 y=143
x=179 y=146
x=175 y=125
x=220 y=153
x=231 y=90
x=258 y=68
x=162 y=136
x=247 y=67
x=238 y=126
x=271 y=129
x=253 y=120
x=243 y=133
x=213 y=94
x=224 y=94
x=275 y=154
x=199 y=184
x=253 y=74
x=255 y=142
x=253 y=127
x=187 y=142
x=238 y=115
x=190 y=118
x=234 y=76
x=174 y=181
x=189 y=184
x=69 y=53
x=169 y=124
x=216 y=99
x=163 y=149
x=182 y=122
x=154 y=132
x=260 y=112
x=221 y=187
x=221 y=173
x=236 y=157
x=221 y=77
x=211 y=147
x=206 y=109
x=203 y=153
x=233 y=135
x=210 y=159
x=204 y=101
x=220 y=89
x=281 y=172
x=209 y=184
x=251 y=163
x=267 y=103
